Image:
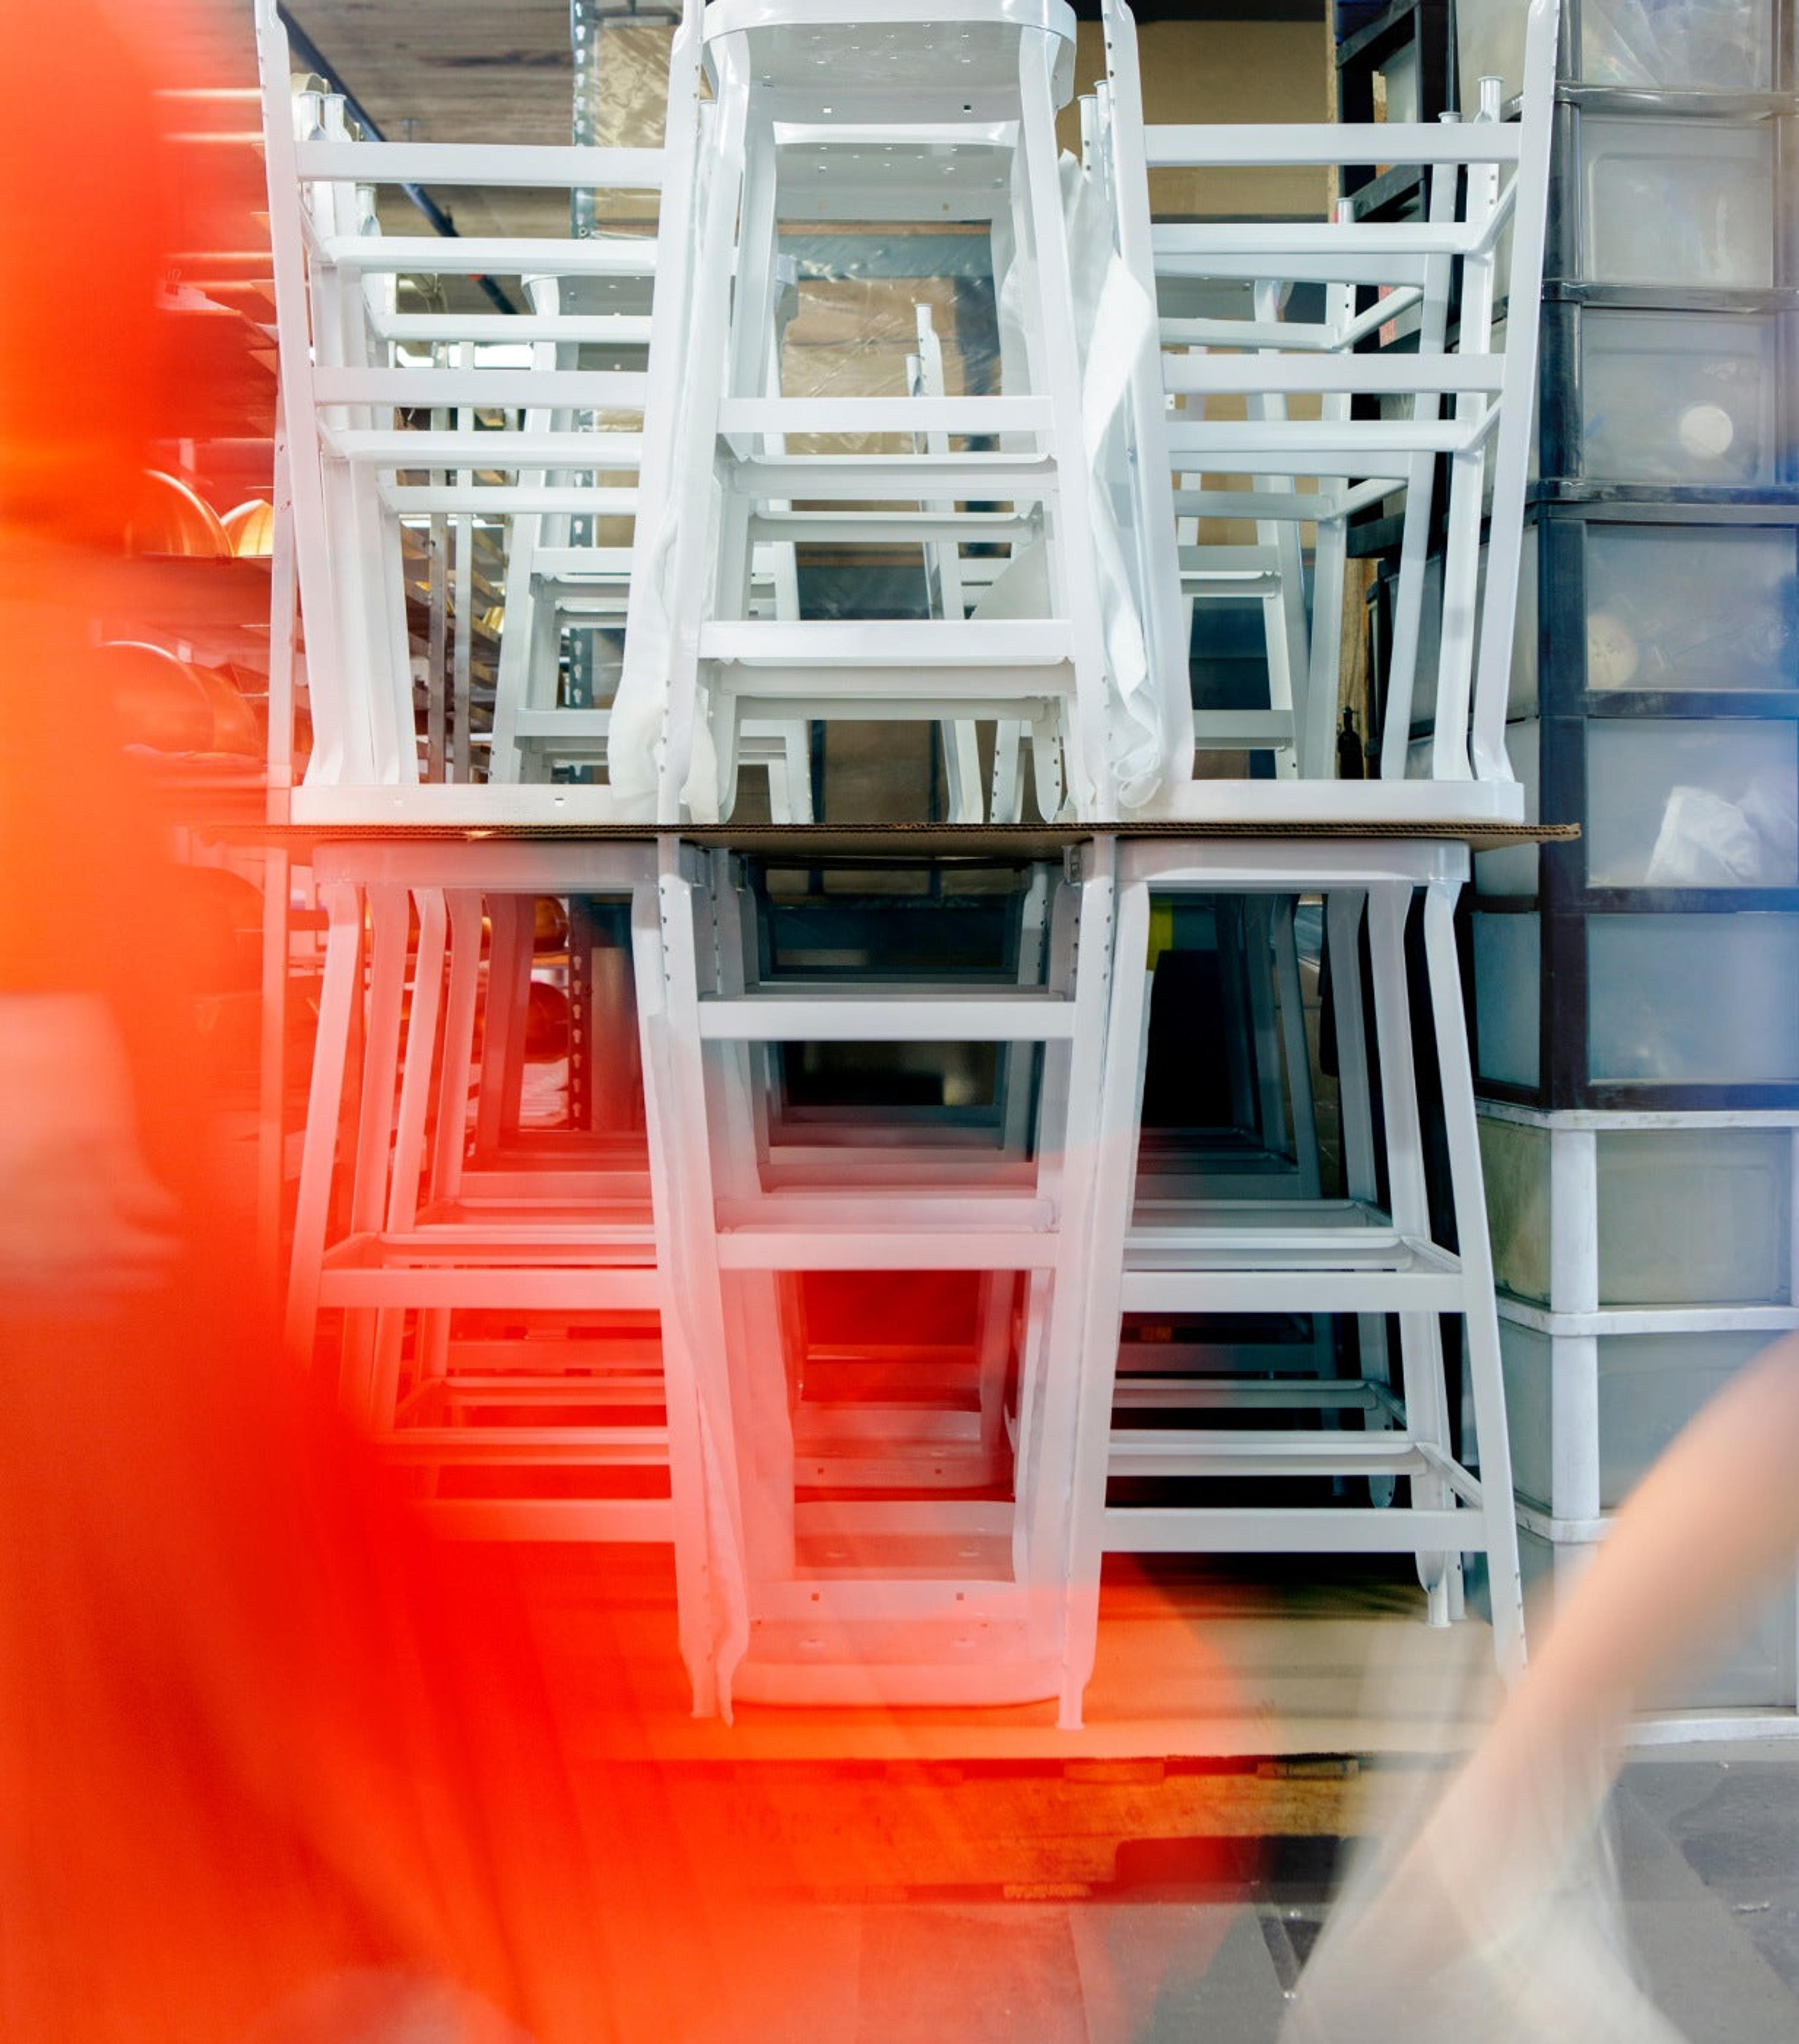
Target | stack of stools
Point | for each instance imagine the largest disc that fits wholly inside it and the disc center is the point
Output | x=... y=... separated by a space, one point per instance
x=404 y=695
x=1154 y=1447
x=826 y=1275
x=1635 y=992
x=504 y=1326
x=949 y=118
x=865 y=1577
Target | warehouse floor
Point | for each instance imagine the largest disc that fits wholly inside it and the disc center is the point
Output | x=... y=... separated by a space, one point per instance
x=1710 y=1859
x=908 y=1877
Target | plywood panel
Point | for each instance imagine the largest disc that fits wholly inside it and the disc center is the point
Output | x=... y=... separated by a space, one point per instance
x=1225 y=70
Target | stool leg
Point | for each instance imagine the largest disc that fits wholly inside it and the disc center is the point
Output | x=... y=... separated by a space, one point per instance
x=1258 y=929
x=388 y=915
x=1343 y=921
x=1056 y=374
x=993 y=1355
x=1066 y=1153
x=450 y=1137
x=408 y=1136
x=1115 y=1171
x=325 y=1105
x=512 y=921
x=708 y=1509
x=1420 y=1336
x=1297 y=1048
x=1468 y=1188
x=1007 y=799
x=690 y=486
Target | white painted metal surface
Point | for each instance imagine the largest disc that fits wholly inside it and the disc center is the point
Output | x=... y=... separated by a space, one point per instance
x=1437 y=277
x=1274 y=1257
x=797 y=1583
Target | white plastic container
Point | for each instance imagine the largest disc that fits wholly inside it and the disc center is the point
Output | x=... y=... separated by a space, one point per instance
x=1672 y=201
x=1514 y=870
x=1691 y=607
x=1687 y=803
x=1649 y=1386
x=1699 y=998
x=1682 y=1216
x=1515 y=1168
x=1508 y=998
x=1755 y=1672
x=1679 y=397
x=1695 y=1217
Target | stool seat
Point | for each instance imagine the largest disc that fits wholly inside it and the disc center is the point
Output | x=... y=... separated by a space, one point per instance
x=914 y=51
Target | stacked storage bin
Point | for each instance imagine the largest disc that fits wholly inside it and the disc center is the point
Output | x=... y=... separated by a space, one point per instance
x=1637 y=993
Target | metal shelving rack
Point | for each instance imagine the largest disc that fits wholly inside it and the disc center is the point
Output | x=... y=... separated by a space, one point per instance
x=1636 y=991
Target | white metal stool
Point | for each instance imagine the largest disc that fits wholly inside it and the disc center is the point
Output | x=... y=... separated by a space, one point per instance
x=1342 y=1257
x=1464 y=391
x=921 y=1598
x=421 y=1235
x=928 y=112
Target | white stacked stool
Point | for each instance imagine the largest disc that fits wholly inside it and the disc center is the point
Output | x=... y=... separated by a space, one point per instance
x=929 y=113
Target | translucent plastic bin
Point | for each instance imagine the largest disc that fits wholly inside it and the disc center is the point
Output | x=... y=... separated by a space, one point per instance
x=1678 y=397
x=1724 y=45
x=1514 y=870
x=1754 y=1672
x=1515 y=1169
x=1685 y=1216
x=1690 y=803
x=1649 y=1386
x=1691 y=607
x=1520 y=694
x=1670 y=201
x=1727 y=45
x=1706 y=999
x=1507 y=997
x=1695 y=1217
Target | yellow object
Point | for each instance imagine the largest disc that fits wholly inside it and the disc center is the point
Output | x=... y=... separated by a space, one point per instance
x=1161 y=931
x=251 y=529
x=169 y=518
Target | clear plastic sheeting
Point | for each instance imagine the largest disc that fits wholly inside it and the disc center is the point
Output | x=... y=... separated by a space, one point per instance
x=620 y=74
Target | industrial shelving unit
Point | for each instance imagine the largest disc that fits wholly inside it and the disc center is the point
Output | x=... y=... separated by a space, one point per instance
x=1635 y=991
